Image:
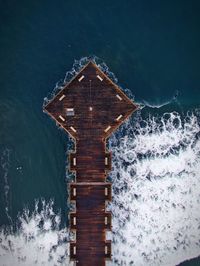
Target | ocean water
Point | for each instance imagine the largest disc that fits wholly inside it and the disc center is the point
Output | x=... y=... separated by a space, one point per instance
x=151 y=49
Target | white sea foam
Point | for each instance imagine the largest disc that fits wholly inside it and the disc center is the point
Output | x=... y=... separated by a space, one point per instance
x=38 y=239
x=156 y=191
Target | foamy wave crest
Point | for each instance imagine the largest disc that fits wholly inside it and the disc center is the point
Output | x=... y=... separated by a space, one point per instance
x=158 y=105
x=156 y=190
x=37 y=240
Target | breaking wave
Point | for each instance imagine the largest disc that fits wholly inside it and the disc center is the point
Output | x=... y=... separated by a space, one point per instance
x=37 y=239
x=156 y=190
x=153 y=105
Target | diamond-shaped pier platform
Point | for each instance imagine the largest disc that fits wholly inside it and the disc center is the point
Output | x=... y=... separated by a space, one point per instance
x=90 y=107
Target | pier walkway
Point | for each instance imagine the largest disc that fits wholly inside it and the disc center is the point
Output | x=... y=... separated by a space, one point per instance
x=90 y=107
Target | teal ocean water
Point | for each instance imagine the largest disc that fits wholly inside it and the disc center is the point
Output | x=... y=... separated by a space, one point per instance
x=151 y=49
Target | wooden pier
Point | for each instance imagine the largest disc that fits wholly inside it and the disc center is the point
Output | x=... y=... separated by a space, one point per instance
x=90 y=107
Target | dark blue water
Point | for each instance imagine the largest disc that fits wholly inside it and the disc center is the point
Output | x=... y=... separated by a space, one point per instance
x=152 y=47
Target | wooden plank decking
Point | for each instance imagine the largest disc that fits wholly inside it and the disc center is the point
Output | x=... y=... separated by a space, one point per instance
x=90 y=108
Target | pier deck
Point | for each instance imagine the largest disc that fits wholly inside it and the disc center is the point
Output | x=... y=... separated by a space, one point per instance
x=90 y=107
